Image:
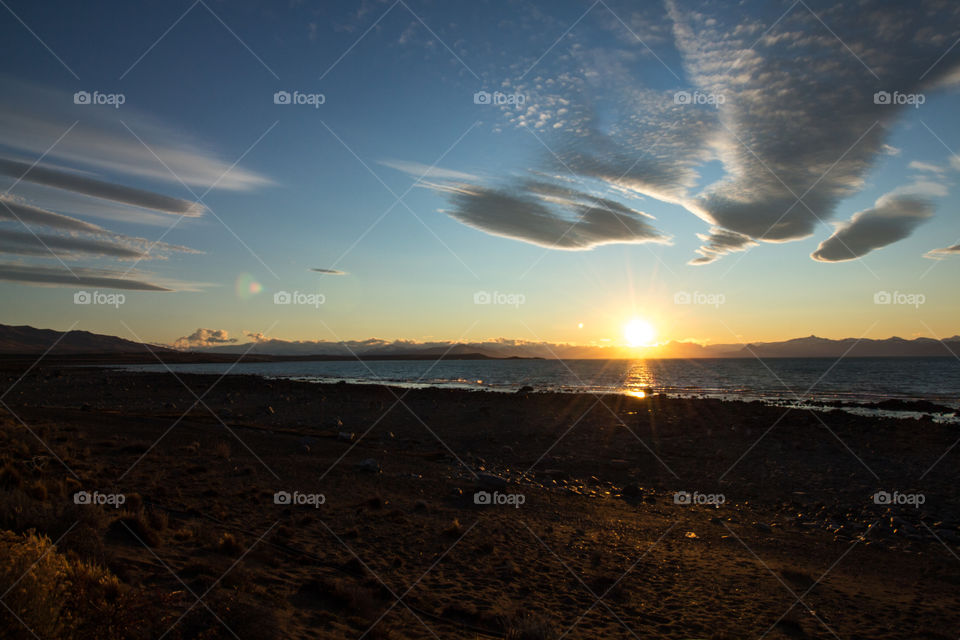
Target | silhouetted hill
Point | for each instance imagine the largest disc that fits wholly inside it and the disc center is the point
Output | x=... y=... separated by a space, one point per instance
x=27 y=340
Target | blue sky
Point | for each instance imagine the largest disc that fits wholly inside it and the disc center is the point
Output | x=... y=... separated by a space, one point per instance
x=656 y=148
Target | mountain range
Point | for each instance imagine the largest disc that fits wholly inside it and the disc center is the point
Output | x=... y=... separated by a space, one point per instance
x=25 y=340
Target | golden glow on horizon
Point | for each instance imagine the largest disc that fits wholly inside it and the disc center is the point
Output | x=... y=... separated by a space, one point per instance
x=639 y=333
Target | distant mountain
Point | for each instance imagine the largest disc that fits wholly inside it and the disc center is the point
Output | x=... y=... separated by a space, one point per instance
x=24 y=340
x=814 y=347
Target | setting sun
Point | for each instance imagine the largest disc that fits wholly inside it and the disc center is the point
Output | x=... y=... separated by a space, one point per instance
x=639 y=333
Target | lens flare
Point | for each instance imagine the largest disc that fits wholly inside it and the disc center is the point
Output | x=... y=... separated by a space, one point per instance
x=246 y=286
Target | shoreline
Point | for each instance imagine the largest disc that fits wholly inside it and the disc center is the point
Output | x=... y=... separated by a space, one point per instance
x=935 y=408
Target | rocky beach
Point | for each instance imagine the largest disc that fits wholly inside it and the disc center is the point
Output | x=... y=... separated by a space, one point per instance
x=254 y=508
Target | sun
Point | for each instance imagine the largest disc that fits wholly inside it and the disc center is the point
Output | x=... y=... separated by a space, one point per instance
x=639 y=333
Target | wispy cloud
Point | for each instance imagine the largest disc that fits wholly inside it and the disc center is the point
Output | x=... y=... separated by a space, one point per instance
x=937 y=254
x=76 y=277
x=99 y=189
x=12 y=209
x=34 y=244
x=32 y=117
x=719 y=242
x=428 y=172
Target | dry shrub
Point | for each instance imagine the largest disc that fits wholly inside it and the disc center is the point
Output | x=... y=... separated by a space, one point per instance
x=529 y=626
x=222 y=450
x=229 y=545
x=59 y=598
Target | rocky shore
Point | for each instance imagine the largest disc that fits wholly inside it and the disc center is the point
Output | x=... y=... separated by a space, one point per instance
x=336 y=510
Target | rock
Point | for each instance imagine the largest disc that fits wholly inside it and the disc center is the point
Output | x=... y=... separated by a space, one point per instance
x=346 y=436
x=270 y=410
x=370 y=465
x=491 y=480
x=632 y=490
x=525 y=389
x=762 y=526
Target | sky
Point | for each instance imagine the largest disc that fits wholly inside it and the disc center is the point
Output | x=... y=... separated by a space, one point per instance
x=201 y=172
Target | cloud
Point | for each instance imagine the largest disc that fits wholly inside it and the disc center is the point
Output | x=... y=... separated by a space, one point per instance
x=925 y=166
x=11 y=209
x=104 y=244
x=720 y=242
x=69 y=180
x=428 y=172
x=97 y=188
x=77 y=277
x=551 y=216
x=893 y=218
x=329 y=272
x=938 y=254
x=127 y=143
x=204 y=338
x=783 y=107
x=30 y=244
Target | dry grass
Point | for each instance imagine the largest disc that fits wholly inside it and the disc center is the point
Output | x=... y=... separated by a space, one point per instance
x=60 y=598
x=529 y=626
x=228 y=544
x=222 y=450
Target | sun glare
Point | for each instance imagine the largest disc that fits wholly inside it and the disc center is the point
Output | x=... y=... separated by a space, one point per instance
x=639 y=333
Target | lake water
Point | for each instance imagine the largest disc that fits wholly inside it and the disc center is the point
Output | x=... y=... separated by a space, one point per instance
x=775 y=380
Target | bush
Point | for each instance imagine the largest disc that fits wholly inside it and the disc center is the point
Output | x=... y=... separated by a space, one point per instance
x=529 y=626
x=229 y=545
x=58 y=598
